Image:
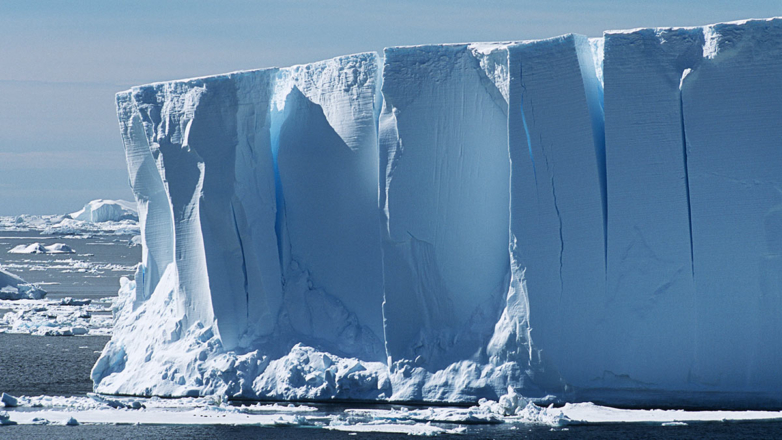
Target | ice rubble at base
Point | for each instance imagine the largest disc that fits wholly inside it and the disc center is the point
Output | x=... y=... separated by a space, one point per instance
x=13 y=287
x=561 y=216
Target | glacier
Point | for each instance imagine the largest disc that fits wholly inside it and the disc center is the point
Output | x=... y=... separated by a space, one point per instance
x=584 y=219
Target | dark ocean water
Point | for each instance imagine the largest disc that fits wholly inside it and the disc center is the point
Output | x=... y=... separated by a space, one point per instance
x=50 y=365
x=739 y=431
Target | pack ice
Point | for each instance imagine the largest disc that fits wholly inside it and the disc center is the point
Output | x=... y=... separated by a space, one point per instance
x=589 y=219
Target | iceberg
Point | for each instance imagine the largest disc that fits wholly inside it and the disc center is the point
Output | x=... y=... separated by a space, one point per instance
x=589 y=219
x=100 y=210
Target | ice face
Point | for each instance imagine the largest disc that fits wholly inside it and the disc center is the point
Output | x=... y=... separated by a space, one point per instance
x=444 y=152
x=732 y=131
x=557 y=200
x=583 y=218
x=326 y=151
x=650 y=290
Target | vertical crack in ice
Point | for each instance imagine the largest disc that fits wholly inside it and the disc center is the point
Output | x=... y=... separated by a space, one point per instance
x=277 y=116
x=244 y=264
x=550 y=168
x=686 y=168
x=526 y=128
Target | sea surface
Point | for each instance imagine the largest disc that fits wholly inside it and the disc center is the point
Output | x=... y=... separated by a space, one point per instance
x=60 y=365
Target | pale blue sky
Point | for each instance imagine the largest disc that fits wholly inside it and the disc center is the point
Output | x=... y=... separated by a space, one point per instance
x=62 y=61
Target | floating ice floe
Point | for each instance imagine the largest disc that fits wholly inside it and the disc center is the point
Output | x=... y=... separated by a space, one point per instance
x=38 y=248
x=13 y=287
x=66 y=317
x=99 y=409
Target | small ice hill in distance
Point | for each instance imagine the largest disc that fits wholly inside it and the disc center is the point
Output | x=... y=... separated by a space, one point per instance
x=585 y=219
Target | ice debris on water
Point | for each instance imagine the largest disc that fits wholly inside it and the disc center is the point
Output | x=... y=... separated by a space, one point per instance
x=8 y=400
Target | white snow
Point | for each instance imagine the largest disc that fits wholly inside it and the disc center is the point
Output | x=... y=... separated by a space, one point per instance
x=583 y=218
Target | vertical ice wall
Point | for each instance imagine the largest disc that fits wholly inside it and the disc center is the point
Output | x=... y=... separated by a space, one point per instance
x=733 y=131
x=557 y=201
x=650 y=292
x=444 y=193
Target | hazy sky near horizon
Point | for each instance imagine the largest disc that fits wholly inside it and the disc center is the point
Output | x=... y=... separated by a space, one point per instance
x=61 y=62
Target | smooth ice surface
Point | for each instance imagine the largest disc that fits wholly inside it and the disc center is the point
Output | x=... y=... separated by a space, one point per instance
x=733 y=131
x=649 y=277
x=444 y=193
x=589 y=219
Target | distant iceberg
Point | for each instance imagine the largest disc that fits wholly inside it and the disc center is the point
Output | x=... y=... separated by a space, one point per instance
x=588 y=219
x=101 y=210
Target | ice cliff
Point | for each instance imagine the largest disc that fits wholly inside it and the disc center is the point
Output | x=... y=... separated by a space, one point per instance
x=584 y=218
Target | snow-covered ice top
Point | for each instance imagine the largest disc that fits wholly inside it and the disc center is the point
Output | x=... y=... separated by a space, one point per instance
x=566 y=216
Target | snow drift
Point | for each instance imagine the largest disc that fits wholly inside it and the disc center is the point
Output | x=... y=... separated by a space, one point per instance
x=590 y=219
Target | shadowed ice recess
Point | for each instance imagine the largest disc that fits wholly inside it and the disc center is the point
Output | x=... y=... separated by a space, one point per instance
x=586 y=219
